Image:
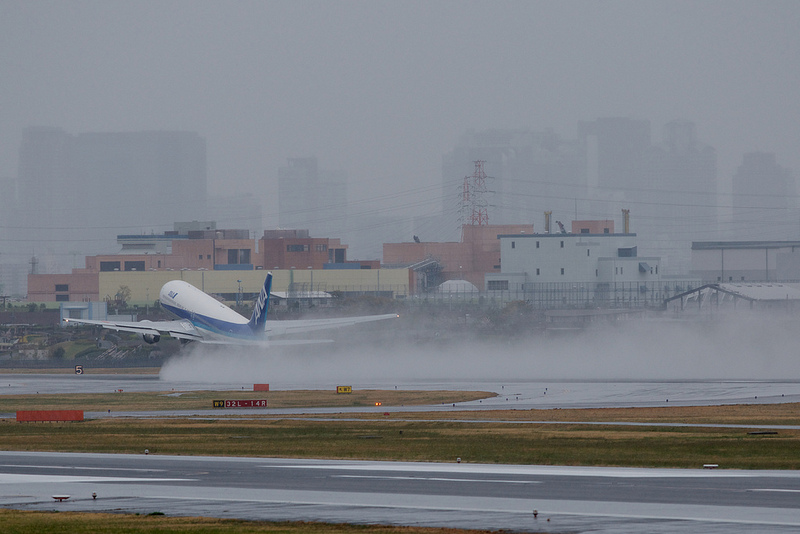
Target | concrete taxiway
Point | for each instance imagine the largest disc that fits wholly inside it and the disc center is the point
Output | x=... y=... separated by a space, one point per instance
x=567 y=499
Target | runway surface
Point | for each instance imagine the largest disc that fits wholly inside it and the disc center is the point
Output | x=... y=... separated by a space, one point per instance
x=523 y=395
x=573 y=499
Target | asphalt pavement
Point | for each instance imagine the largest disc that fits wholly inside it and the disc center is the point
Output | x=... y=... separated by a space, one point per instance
x=456 y=495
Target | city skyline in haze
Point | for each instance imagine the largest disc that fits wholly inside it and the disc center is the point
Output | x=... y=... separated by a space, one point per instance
x=383 y=90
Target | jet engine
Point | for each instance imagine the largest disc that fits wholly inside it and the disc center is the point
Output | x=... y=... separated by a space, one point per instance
x=151 y=338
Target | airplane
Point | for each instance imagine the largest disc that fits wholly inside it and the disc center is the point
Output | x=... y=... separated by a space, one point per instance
x=204 y=319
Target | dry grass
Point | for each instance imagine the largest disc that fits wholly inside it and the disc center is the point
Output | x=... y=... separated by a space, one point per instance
x=742 y=414
x=392 y=439
x=746 y=414
x=490 y=436
x=191 y=400
x=24 y=522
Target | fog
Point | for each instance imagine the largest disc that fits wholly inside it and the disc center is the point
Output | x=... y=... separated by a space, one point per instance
x=732 y=348
x=383 y=89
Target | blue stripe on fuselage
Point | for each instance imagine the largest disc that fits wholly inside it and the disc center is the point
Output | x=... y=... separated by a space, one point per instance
x=211 y=324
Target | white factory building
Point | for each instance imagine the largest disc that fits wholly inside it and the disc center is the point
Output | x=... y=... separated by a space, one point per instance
x=578 y=269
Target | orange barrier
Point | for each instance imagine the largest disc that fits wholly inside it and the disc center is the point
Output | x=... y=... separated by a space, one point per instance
x=260 y=387
x=49 y=415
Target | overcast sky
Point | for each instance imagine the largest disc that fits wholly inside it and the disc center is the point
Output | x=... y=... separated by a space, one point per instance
x=383 y=89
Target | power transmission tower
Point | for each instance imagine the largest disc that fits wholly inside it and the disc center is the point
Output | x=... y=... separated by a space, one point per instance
x=474 y=208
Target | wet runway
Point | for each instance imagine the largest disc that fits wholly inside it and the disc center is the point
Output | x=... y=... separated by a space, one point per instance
x=523 y=395
x=450 y=495
x=567 y=499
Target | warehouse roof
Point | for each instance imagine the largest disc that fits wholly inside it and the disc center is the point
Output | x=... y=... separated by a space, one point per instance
x=753 y=292
x=763 y=291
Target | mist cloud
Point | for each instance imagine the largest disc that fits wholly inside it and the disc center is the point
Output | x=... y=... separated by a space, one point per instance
x=733 y=348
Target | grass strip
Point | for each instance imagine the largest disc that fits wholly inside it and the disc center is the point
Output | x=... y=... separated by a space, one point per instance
x=192 y=400
x=442 y=441
x=475 y=436
x=28 y=522
x=740 y=414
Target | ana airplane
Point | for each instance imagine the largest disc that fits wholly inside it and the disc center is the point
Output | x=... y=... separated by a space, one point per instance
x=203 y=318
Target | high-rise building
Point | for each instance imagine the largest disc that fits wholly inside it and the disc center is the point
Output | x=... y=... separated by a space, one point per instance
x=237 y=211
x=8 y=205
x=616 y=151
x=77 y=192
x=315 y=199
x=679 y=198
x=764 y=199
x=312 y=198
x=528 y=173
x=669 y=187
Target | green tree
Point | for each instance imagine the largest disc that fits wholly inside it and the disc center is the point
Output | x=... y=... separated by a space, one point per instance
x=123 y=296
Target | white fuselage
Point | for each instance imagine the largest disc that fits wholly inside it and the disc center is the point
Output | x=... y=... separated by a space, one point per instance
x=205 y=312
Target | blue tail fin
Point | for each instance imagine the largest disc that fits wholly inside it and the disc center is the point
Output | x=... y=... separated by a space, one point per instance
x=258 y=320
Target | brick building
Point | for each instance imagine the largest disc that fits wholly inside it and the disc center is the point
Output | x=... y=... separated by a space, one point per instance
x=476 y=254
x=204 y=249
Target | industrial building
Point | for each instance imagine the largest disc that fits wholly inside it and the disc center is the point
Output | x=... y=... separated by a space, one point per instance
x=227 y=285
x=746 y=261
x=225 y=262
x=718 y=297
x=476 y=254
x=583 y=268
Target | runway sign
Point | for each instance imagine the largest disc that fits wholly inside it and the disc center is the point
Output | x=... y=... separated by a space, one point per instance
x=240 y=403
x=78 y=369
x=344 y=389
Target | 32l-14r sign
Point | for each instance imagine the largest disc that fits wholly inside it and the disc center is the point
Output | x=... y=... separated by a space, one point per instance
x=240 y=403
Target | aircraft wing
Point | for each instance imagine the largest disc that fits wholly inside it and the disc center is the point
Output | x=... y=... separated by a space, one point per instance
x=296 y=326
x=184 y=329
x=177 y=329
